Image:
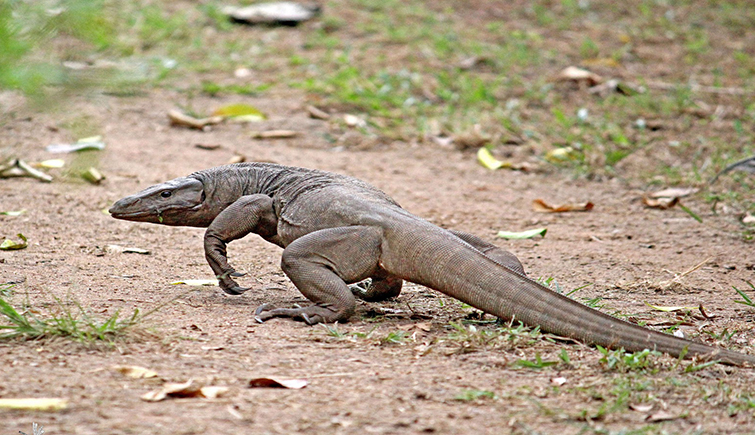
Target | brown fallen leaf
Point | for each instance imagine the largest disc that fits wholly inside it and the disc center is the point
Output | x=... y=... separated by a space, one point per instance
x=541 y=206
x=184 y=390
x=208 y=147
x=316 y=113
x=181 y=119
x=135 y=372
x=579 y=75
x=274 y=382
x=274 y=134
x=661 y=203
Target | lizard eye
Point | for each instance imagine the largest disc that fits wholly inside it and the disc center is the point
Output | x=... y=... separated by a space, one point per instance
x=165 y=193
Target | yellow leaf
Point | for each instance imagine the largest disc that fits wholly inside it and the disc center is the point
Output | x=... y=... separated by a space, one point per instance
x=242 y=112
x=35 y=404
x=486 y=159
x=10 y=245
x=669 y=309
x=560 y=155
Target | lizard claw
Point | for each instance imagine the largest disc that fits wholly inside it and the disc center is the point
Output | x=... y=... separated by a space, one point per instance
x=258 y=312
x=235 y=290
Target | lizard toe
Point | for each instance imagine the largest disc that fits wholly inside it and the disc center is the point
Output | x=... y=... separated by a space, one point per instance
x=235 y=290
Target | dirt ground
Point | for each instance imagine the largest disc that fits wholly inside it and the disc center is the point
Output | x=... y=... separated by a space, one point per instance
x=355 y=385
x=359 y=381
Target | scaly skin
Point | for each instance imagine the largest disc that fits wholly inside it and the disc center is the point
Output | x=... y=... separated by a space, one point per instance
x=337 y=230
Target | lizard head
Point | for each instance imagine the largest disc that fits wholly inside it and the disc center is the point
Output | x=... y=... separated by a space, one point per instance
x=175 y=202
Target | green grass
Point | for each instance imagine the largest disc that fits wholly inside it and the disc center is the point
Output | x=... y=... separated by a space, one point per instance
x=746 y=300
x=622 y=361
x=75 y=324
x=472 y=395
x=537 y=364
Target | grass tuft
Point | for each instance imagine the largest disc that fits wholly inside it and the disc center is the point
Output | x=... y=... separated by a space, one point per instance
x=74 y=324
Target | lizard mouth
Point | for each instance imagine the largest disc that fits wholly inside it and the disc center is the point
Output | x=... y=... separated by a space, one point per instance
x=129 y=215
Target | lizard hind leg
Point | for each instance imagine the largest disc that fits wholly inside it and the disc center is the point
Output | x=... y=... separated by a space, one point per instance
x=320 y=264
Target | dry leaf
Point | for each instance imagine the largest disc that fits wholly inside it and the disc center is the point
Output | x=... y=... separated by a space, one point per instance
x=83 y=144
x=316 y=113
x=487 y=160
x=11 y=245
x=748 y=219
x=579 y=75
x=560 y=155
x=93 y=175
x=674 y=192
x=135 y=372
x=35 y=404
x=117 y=249
x=181 y=119
x=641 y=408
x=212 y=392
x=274 y=134
x=528 y=234
x=558 y=381
x=171 y=389
x=273 y=382
x=208 y=147
x=19 y=168
x=661 y=416
x=661 y=203
x=50 y=164
x=543 y=207
x=669 y=309
x=240 y=112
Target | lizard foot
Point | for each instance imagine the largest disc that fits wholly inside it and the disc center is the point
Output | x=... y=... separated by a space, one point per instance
x=311 y=315
x=235 y=290
x=230 y=286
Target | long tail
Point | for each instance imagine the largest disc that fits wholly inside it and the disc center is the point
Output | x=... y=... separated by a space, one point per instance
x=427 y=255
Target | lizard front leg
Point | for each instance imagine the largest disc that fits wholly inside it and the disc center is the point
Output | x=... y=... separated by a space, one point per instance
x=249 y=214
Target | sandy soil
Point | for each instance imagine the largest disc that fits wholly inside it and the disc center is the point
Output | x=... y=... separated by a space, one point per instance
x=356 y=385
